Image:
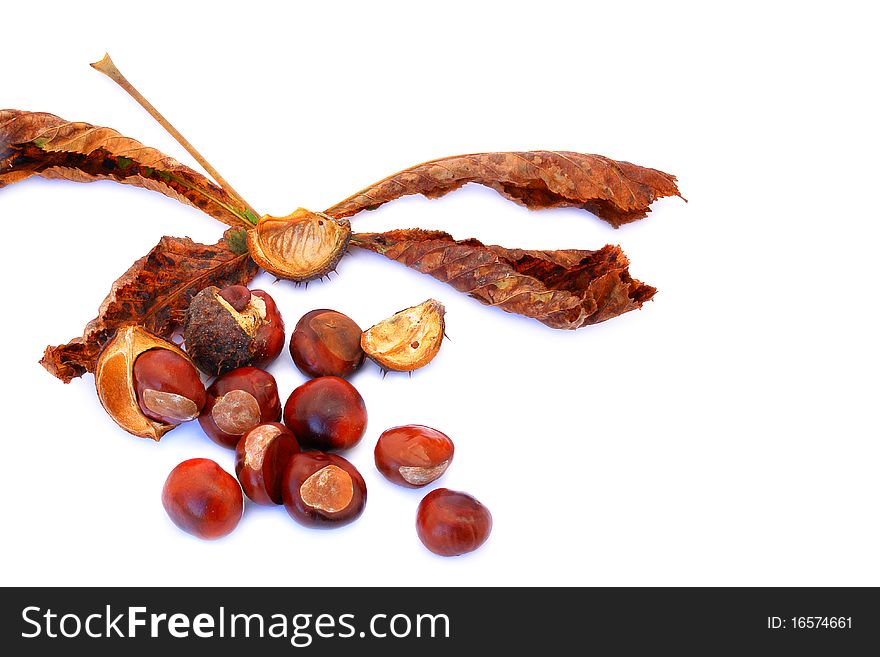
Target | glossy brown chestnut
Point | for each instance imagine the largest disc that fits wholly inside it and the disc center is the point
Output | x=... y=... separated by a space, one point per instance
x=326 y=413
x=167 y=386
x=261 y=458
x=269 y=339
x=326 y=343
x=323 y=490
x=237 y=402
x=413 y=455
x=233 y=327
x=202 y=499
x=450 y=523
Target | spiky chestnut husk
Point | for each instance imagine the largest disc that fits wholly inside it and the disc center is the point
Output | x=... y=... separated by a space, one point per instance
x=408 y=339
x=114 y=380
x=300 y=247
x=220 y=337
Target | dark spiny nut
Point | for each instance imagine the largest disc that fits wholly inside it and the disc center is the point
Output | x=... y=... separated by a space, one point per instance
x=450 y=523
x=326 y=413
x=261 y=459
x=221 y=335
x=168 y=387
x=323 y=490
x=202 y=499
x=413 y=455
x=326 y=343
x=237 y=402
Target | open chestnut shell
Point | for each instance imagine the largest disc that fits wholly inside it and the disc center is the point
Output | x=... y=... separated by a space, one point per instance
x=301 y=246
x=238 y=401
x=115 y=380
x=407 y=340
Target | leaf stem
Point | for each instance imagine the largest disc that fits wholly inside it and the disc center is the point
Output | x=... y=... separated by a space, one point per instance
x=108 y=68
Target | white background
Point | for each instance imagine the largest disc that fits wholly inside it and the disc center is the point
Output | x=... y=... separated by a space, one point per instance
x=725 y=434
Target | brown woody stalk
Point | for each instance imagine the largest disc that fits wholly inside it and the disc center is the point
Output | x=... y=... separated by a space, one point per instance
x=108 y=68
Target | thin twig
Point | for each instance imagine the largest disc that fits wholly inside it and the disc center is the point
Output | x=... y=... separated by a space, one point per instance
x=108 y=68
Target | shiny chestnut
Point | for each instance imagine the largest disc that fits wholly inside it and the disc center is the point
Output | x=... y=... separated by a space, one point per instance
x=326 y=413
x=413 y=455
x=450 y=523
x=167 y=386
x=323 y=490
x=326 y=343
x=202 y=499
x=238 y=401
x=269 y=338
x=261 y=459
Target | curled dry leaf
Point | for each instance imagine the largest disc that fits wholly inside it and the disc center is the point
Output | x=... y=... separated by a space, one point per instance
x=407 y=340
x=41 y=144
x=154 y=293
x=564 y=289
x=301 y=246
x=618 y=192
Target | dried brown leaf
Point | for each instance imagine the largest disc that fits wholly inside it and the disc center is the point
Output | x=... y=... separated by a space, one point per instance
x=564 y=289
x=154 y=293
x=618 y=192
x=41 y=144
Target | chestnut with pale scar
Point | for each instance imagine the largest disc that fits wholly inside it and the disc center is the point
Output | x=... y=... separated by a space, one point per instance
x=237 y=402
x=236 y=412
x=176 y=408
x=261 y=458
x=146 y=384
x=323 y=490
x=168 y=386
x=329 y=489
x=413 y=455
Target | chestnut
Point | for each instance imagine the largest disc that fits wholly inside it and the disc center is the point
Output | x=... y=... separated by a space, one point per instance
x=450 y=523
x=233 y=327
x=261 y=458
x=326 y=413
x=323 y=490
x=413 y=455
x=202 y=499
x=238 y=401
x=167 y=386
x=326 y=343
x=115 y=381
